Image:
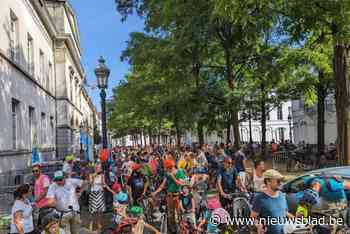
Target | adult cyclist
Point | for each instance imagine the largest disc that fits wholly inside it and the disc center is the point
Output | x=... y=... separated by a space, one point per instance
x=137 y=184
x=228 y=181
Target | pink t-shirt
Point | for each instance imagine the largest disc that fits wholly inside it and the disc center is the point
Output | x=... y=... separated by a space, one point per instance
x=40 y=184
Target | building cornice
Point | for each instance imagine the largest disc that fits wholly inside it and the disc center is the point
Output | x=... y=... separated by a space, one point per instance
x=45 y=17
x=69 y=11
x=68 y=40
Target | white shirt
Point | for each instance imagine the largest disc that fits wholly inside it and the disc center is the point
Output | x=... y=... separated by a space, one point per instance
x=65 y=195
x=26 y=209
x=258 y=182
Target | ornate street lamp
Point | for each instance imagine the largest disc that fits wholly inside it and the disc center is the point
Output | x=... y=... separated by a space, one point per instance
x=102 y=73
x=290 y=127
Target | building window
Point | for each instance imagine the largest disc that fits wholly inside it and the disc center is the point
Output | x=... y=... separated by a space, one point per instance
x=31 y=125
x=15 y=114
x=279 y=113
x=43 y=128
x=49 y=77
x=52 y=128
x=14 y=37
x=30 y=54
x=42 y=67
x=281 y=134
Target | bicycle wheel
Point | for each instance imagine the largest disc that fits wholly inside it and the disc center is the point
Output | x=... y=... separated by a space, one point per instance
x=241 y=208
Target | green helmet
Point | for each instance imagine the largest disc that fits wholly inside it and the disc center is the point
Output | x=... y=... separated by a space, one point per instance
x=136 y=211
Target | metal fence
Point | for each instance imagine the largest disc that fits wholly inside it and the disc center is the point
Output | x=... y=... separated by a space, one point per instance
x=279 y=158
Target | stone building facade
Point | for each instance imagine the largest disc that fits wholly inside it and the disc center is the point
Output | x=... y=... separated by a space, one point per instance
x=41 y=82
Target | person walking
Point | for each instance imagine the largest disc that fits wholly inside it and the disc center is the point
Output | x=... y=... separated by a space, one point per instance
x=63 y=195
x=41 y=186
x=21 y=213
x=258 y=178
x=96 y=197
x=271 y=204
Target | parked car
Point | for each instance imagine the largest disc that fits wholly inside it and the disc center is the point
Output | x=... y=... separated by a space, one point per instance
x=292 y=187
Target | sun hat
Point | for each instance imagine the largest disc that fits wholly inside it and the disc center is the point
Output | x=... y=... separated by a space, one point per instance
x=272 y=174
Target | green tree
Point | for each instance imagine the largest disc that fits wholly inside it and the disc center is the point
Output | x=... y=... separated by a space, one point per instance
x=327 y=22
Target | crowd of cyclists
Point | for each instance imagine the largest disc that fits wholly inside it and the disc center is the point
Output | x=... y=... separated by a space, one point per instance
x=164 y=189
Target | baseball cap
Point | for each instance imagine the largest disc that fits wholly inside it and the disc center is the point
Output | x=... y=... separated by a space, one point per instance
x=272 y=174
x=58 y=175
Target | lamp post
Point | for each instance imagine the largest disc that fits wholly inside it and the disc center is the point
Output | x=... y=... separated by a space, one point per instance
x=102 y=73
x=290 y=128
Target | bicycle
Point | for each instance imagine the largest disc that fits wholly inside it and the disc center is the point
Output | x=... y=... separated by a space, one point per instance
x=239 y=208
x=146 y=204
x=334 y=213
x=186 y=224
x=44 y=212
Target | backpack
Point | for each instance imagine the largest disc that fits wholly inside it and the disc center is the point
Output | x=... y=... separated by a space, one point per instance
x=332 y=189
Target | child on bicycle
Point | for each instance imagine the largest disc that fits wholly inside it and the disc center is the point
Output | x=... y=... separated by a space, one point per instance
x=187 y=204
x=138 y=223
x=212 y=204
x=51 y=224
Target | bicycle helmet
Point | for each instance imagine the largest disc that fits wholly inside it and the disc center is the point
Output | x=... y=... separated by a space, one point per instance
x=49 y=219
x=122 y=198
x=136 y=211
x=311 y=197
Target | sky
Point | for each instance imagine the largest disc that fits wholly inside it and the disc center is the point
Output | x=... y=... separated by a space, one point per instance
x=103 y=34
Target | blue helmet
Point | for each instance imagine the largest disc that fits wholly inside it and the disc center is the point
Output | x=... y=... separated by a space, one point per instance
x=122 y=197
x=311 y=197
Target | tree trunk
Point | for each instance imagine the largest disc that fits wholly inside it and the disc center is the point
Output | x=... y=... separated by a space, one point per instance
x=234 y=112
x=228 y=131
x=144 y=138
x=236 y=133
x=263 y=126
x=200 y=133
x=141 y=139
x=321 y=96
x=342 y=97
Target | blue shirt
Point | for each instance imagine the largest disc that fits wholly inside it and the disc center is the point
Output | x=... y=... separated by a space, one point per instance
x=273 y=207
x=227 y=178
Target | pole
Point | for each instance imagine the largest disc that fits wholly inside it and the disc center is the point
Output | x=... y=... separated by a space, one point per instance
x=104 y=125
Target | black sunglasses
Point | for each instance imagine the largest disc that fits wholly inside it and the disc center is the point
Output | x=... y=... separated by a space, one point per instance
x=35 y=171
